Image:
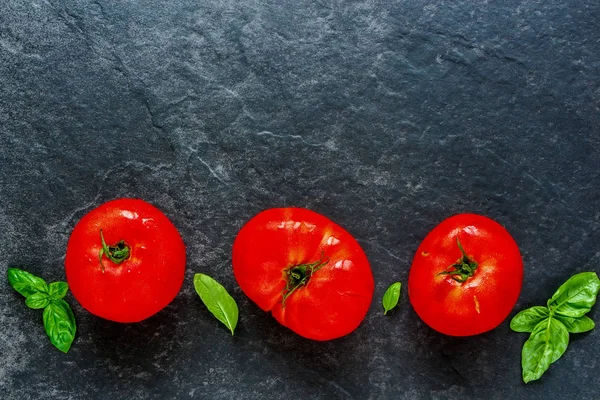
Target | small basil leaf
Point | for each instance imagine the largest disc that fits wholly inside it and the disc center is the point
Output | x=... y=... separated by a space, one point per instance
x=526 y=320
x=577 y=325
x=25 y=282
x=59 y=323
x=391 y=297
x=58 y=290
x=547 y=343
x=37 y=300
x=576 y=296
x=217 y=300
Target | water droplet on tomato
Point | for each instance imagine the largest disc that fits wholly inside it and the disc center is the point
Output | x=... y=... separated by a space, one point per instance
x=148 y=222
x=472 y=230
x=332 y=241
x=343 y=265
x=128 y=214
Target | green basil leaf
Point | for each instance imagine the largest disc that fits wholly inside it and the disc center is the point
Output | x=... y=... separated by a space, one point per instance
x=59 y=322
x=526 y=320
x=58 y=290
x=217 y=300
x=37 y=300
x=25 y=282
x=391 y=297
x=547 y=343
x=576 y=296
x=577 y=325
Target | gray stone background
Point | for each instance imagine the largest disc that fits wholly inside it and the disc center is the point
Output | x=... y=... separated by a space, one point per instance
x=387 y=116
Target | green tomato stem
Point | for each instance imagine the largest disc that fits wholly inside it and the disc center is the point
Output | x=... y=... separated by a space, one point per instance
x=462 y=269
x=299 y=275
x=116 y=253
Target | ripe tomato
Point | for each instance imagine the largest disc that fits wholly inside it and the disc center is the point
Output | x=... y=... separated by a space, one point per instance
x=308 y=271
x=466 y=276
x=138 y=270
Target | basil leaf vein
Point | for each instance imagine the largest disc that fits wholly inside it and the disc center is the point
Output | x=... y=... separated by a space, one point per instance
x=58 y=290
x=391 y=297
x=547 y=343
x=577 y=325
x=26 y=283
x=217 y=300
x=59 y=323
x=526 y=320
x=37 y=300
x=576 y=296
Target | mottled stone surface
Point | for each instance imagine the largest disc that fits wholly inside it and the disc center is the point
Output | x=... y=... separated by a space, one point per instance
x=385 y=115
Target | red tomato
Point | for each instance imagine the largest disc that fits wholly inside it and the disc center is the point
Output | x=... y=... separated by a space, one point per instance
x=308 y=271
x=140 y=270
x=465 y=293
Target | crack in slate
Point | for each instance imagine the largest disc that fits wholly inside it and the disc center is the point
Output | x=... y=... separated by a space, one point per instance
x=296 y=137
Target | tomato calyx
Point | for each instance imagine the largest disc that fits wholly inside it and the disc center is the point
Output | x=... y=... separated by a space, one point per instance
x=299 y=275
x=463 y=268
x=116 y=253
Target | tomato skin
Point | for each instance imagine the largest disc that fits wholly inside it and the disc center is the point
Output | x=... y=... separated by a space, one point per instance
x=337 y=296
x=484 y=300
x=141 y=285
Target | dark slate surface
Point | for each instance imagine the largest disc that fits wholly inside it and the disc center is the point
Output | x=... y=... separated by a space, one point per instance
x=386 y=116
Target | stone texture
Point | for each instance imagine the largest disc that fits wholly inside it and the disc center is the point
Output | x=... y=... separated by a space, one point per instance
x=386 y=116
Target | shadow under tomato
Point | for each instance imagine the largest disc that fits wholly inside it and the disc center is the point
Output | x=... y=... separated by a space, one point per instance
x=147 y=346
x=333 y=369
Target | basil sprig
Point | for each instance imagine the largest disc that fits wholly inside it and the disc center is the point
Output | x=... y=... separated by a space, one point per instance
x=58 y=317
x=550 y=326
x=391 y=297
x=217 y=300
